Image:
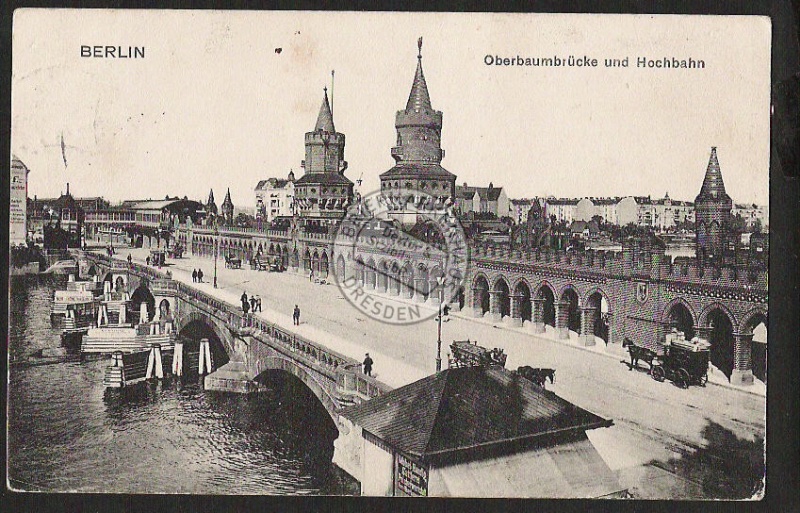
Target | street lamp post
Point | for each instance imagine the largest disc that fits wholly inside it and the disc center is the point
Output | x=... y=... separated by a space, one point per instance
x=216 y=249
x=440 y=281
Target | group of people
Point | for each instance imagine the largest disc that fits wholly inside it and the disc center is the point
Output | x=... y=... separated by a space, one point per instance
x=197 y=275
x=251 y=304
x=109 y=249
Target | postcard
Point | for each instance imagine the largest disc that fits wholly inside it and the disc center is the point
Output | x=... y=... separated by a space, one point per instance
x=389 y=254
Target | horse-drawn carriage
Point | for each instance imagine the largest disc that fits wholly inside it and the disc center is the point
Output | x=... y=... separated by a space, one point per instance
x=269 y=263
x=466 y=353
x=681 y=361
x=233 y=262
x=176 y=251
x=158 y=257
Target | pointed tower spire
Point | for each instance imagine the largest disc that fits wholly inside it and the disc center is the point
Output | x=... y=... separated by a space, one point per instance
x=325 y=118
x=210 y=197
x=713 y=186
x=419 y=99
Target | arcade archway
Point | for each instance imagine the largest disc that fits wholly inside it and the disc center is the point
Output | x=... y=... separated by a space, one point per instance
x=548 y=305
x=757 y=326
x=680 y=318
x=720 y=335
x=523 y=295
x=600 y=312
x=503 y=297
x=569 y=298
x=480 y=299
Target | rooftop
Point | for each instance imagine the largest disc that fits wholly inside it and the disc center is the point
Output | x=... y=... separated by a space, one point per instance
x=466 y=408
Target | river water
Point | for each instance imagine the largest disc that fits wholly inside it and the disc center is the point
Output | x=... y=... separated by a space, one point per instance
x=68 y=433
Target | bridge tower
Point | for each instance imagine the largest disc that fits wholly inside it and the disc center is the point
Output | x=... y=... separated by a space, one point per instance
x=323 y=193
x=713 y=215
x=418 y=153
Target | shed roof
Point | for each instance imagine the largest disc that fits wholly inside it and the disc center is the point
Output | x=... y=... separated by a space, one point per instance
x=465 y=408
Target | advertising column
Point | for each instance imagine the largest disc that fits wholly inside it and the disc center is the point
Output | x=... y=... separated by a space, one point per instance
x=18 y=203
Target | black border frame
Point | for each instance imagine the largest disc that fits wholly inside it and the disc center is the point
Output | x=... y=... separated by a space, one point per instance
x=783 y=394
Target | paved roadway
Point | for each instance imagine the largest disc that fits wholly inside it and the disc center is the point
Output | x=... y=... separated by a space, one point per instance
x=666 y=442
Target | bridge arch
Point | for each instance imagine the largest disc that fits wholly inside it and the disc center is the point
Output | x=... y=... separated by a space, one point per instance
x=142 y=294
x=194 y=326
x=320 y=389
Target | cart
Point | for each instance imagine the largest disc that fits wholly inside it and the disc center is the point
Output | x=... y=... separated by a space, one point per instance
x=158 y=257
x=466 y=353
x=684 y=363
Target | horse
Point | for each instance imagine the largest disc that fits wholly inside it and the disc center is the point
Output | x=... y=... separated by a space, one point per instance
x=638 y=353
x=537 y=376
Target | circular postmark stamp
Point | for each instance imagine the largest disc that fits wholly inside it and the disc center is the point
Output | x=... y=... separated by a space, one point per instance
x=395 y=258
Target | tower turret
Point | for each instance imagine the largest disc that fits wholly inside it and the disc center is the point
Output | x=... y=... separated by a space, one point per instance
x=419 y=126
x=323 y=192
x=418 y=153
x=324 y=145
x=712 y=214
x=211 y=206
x=227 y=208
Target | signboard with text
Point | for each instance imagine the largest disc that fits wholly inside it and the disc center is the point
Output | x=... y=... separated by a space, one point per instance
x=411 y=478
x=18 y=204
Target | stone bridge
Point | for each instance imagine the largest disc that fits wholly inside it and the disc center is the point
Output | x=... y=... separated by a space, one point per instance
x=598 y=296
x=253 y=345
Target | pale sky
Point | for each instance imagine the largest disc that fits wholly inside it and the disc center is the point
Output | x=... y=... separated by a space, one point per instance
x=212 y=105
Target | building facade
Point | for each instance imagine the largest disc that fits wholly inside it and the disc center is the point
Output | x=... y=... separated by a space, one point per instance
x=274 y=198
x=491 y=199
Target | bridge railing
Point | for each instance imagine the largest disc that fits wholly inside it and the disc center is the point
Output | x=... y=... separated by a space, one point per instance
x=352 y=385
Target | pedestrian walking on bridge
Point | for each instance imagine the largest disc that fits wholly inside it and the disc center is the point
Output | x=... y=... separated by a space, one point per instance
x=194 y=275
x=368 y=365
x=296 y=315
x=200 y=275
